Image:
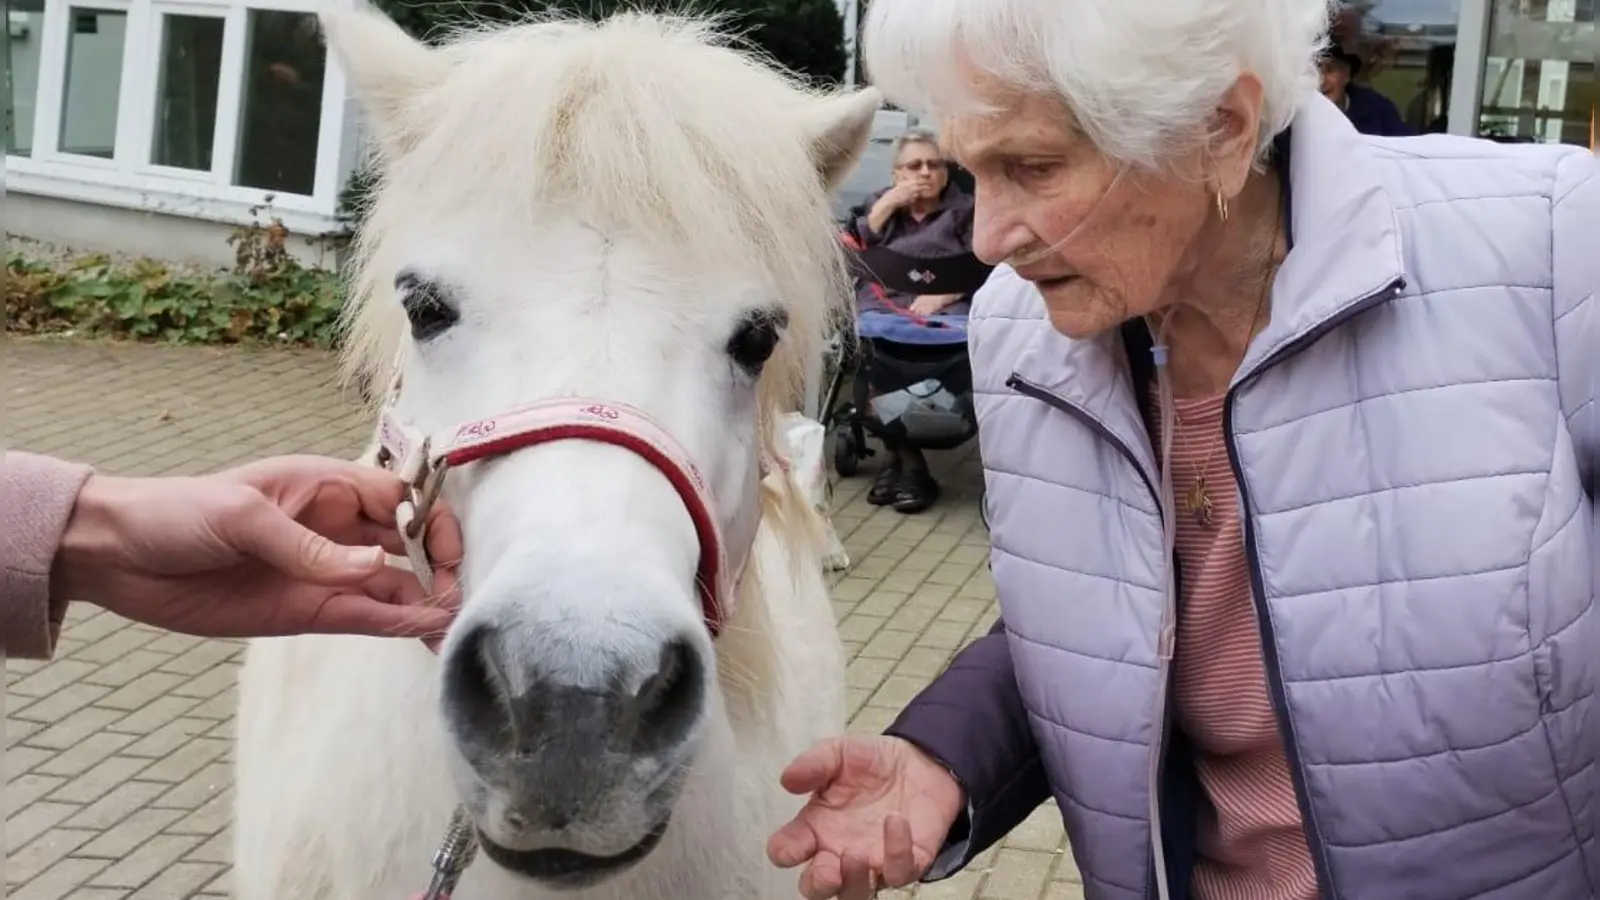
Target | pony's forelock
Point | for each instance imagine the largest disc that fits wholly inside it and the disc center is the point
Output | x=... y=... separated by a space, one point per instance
x=654 y=124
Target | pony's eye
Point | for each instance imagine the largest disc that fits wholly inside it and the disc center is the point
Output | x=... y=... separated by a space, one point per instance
x=428 y=305
x=756 y=337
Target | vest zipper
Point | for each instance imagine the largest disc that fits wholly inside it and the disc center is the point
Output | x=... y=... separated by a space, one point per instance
x=1280 y=701
x=1166 y=638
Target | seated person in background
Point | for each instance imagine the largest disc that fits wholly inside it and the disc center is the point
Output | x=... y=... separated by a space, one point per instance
x=923 y=215
x=1369 y=111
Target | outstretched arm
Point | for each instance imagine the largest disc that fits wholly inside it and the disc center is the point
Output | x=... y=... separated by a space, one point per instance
x=971 y=719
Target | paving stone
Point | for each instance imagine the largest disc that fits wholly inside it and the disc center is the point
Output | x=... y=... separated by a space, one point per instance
x=187 y=760
x=43 y=852
x=25 y=789
x=21 y=760
x=1040 y=831
x=119 y=803
x=209 y=819
x=106 y=776
x=204 y=657
x=197 y=789
x=35 y=819
x=889 y=644
x=922 y=663
x=868 y=673
x=960 y=886
x=141 y=691
x=85 y=754
x=178 y=881
x=19 y=730
x=60 y=674
x=55 y=706
x=60 y=880
x=1017 y=875
x=153 y=715
x=1064 y=890
x=860 y=627
x=73 y=729
x=129 y=834
x=168 y=738
x=217 y=849
x=146 y=861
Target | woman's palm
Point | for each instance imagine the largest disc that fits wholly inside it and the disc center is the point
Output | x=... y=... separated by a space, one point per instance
x=879 y=800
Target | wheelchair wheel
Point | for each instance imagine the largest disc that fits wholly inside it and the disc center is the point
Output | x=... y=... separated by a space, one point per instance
x=846 y=455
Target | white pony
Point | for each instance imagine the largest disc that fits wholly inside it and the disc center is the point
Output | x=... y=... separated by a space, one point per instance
x=633 y=213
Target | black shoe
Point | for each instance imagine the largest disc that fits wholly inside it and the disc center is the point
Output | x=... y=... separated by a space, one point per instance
x=886 y=487
x=917 y=492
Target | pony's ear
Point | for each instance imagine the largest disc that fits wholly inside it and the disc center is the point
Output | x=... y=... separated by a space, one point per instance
x=839 y=128
x=388 y=70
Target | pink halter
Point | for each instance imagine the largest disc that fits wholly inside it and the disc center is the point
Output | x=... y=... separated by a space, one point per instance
x=422 y=462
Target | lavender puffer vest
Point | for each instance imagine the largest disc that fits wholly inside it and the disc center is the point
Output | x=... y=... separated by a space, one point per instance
x=1414 y=435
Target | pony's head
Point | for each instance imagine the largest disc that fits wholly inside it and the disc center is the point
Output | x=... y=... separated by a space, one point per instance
x=634 y=213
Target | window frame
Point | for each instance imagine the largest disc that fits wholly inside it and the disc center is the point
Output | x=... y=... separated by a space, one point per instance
x=129 y=178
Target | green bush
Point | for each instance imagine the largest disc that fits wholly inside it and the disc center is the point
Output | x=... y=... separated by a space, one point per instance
x=267 y=297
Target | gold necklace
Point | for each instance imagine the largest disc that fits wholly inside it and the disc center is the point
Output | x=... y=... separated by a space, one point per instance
x=1197 y=500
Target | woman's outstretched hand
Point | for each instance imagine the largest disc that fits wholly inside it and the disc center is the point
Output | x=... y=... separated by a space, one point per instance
x=879 y=812
x=289 y=545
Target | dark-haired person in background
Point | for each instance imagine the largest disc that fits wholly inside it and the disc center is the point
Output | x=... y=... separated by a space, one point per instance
x=1368 y=110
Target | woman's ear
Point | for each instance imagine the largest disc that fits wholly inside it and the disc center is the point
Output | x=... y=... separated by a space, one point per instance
x=1235 y=134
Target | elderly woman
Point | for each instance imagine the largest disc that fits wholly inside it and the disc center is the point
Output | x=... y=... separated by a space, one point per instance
x=1289 y=437
x=925 y=215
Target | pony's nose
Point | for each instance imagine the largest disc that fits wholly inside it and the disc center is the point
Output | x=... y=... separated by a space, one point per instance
x=509 y=694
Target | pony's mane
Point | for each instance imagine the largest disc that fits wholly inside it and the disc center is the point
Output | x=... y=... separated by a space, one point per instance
x=649 y=123
x=646 y=123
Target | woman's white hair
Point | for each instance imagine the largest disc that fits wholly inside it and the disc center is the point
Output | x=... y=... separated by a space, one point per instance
x=1140 y=77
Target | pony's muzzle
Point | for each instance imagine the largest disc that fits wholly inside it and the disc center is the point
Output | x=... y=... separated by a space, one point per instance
x=564 y=734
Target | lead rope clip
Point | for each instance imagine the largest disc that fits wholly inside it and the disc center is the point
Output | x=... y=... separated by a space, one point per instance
x=455 y=853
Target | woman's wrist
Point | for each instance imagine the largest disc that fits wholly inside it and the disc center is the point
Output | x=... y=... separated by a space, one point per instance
x=943 y=788
x=91 y=542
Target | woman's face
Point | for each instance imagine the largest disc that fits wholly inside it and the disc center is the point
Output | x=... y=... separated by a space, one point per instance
x=923 y=167
x=1041 y=183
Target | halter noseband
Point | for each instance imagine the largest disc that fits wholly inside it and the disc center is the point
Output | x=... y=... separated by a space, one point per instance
x=422 y=462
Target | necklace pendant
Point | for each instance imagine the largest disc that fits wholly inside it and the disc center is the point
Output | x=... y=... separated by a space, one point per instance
x=1197 y=503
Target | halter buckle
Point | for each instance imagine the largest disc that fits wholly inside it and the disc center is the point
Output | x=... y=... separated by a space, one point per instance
x=423 y=481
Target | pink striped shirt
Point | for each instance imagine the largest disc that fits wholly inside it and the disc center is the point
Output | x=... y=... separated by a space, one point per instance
x=1254 y=847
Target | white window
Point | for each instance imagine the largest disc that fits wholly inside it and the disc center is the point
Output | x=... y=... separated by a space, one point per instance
x=208 y=108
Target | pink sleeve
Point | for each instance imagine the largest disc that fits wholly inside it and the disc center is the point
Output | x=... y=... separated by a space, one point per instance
x=39 y=493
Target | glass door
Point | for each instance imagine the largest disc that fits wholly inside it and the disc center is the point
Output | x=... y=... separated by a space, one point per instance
x=1408 y=50
x=1539 y=72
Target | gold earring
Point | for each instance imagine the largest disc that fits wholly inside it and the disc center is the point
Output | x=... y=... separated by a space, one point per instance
x=1222 y=206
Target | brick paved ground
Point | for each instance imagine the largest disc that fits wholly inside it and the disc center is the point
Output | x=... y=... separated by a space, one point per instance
x=117 y=750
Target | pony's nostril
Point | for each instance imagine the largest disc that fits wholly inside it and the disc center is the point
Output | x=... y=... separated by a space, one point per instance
x=667 y=704
x=474 y=694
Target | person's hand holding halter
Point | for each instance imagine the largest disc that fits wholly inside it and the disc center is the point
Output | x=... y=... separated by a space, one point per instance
x=289 y=545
